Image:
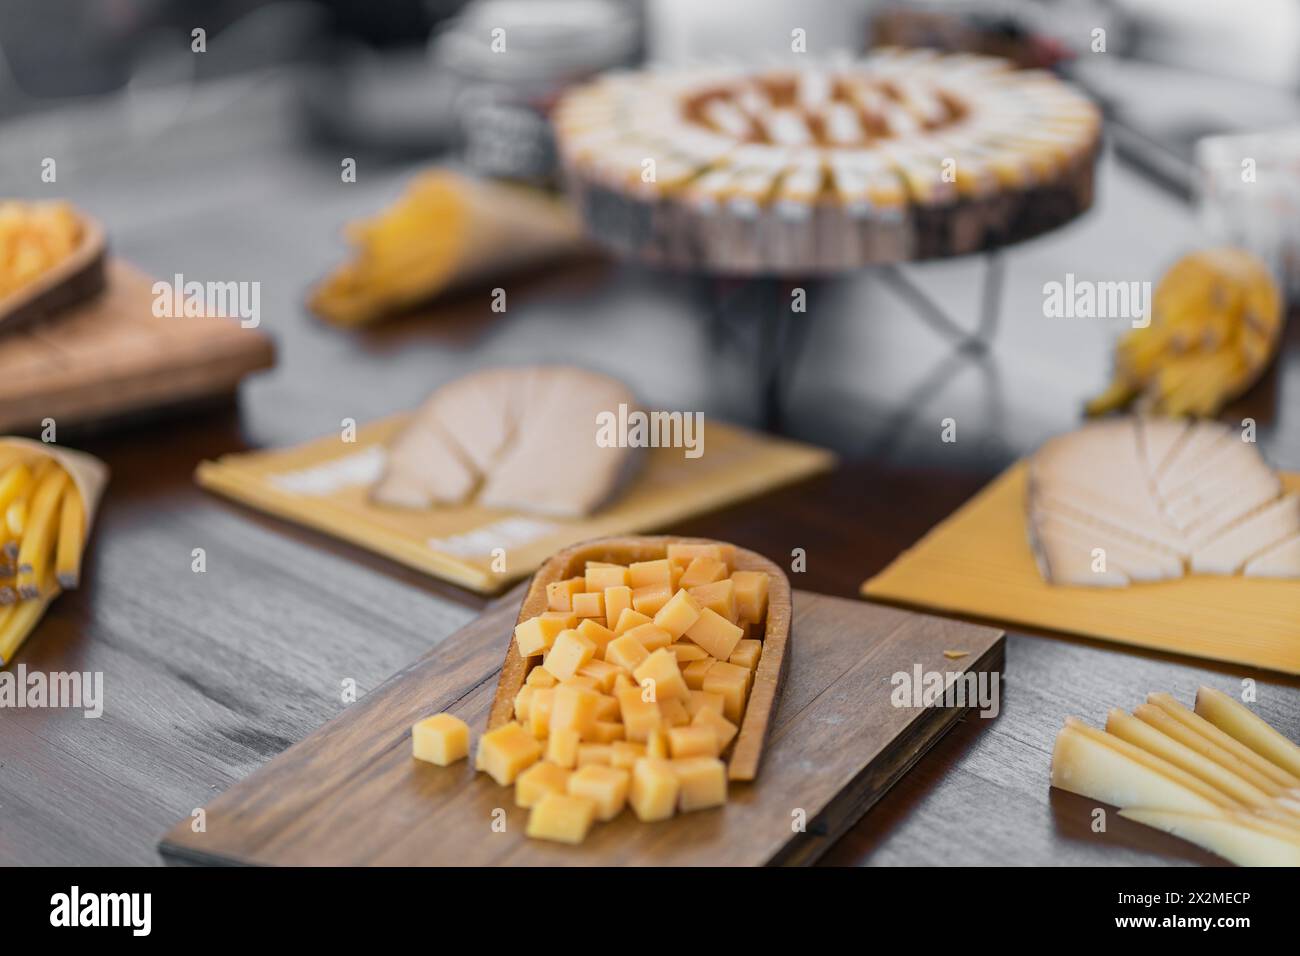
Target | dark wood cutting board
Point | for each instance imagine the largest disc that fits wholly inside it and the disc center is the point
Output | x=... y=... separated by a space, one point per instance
x=351 y=794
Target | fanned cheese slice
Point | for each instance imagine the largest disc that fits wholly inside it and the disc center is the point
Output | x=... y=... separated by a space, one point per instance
x=1241 y=723
x=522 y=439
x=1238 y=837
x=1163 y=498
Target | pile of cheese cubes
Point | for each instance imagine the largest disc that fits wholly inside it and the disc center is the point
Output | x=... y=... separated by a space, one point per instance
x=640 y=683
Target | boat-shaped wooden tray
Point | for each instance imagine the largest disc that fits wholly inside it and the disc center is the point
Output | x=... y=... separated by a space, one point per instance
x=77 y=278
x=747 y=748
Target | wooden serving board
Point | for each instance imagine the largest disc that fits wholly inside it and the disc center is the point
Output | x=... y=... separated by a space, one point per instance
x=111 y=356
x=351 y=793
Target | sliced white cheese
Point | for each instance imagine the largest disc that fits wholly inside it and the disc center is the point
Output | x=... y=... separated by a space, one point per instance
x=1253 y=535
x=1136 y=560
x=1158 y=439
x=1280 y=561
x=1237 y=837
x=424 y=468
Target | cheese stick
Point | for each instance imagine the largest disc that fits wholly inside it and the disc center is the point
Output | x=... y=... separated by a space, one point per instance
x=72 y=531
x=19 y=620
x=38 y=537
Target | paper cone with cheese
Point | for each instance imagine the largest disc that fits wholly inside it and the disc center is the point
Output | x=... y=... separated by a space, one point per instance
x=1130 y=500
x=446 y=231
x=519 y=439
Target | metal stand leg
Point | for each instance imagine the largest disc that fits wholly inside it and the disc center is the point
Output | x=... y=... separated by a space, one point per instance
x=934 y=315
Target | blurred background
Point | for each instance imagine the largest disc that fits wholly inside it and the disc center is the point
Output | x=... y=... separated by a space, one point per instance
x=224 y=163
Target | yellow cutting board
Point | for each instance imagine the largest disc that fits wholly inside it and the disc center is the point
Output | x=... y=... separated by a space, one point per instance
x=977 y=563
x=325 y=485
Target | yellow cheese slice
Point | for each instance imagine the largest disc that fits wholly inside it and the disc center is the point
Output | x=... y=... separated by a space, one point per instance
x=1236 y=837
x=1235 y=719
x=1280 y=777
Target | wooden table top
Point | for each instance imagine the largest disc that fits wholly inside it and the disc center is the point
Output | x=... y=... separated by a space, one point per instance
x=209 y=675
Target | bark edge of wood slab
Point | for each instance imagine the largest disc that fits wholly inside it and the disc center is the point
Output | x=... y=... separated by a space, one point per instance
x=747 y=751
x=78 y=277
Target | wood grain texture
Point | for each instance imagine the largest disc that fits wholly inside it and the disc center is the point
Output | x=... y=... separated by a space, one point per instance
x=110 y=356
x=352 y=794
x=747 y=749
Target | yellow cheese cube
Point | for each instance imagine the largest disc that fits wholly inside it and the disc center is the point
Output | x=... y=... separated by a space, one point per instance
x=441 y=739
x=646 y=573
x=698 y=700
x=714 y=633
x=537 y=634
x=661 y=668
x=597 y=633
x=649 y=599
x=684 y=554
x=654 y=790
x=504 y=752
x=693 y=741
x=630 y=619
x=540 y=677
x=678 y=614
x=589 y=604
x=623 y=681
x=656 y=744
x=746 y=654
x=751 y=594
x=626 y=652
x=562 y=747
x=617 y=600
x=676 y=571
x=580 y=680
x=604 y=576
x=589 y=754
x=674 y=712
x=625 y=754
x=539 y=711
x=693 y=673
x=732 y=683
x=687 y=652
x=559 y=594
x=607 y=707
x=539 y=780
x=722 y=728
x=719 y=597
x=562 y=818
x=602 y=672
x=607 y=731
x=702 y=782
x=640 y=716
x=651 y=636
x=521 y=703
x=703 y=570
x=574 y=709
x=569 y=652
x=606 y=787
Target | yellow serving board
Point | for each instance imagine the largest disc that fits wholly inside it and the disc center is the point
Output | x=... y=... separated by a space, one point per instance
x=324 y=484
x=978 y=563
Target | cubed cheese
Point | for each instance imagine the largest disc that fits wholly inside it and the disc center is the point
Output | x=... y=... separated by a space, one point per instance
x=751 y=594
x=684 y=554
x=617 y=600
x=649 y=599
x=657 y=744
x=606 y=787
x=651 y=636
x=661 y=668
x=746 y=654
x=607 y=731
x=732 y=683
x=713 y=632
x=539 y=711
x=600 y=577
x=693 y=673
x=589 y=754
x=602 y=672
x=539 y=780
x=687 y=652
x=626 y=652
x=674 y=712
x=654 y=790
x=698 y=700
x=521 y=703
x=722 y=728
x=559 y=594
x=589 y=604
x=569 y=652
x=574 y=708
x=640 y=716
x=441 y=739
x=625 y=754
x=630 y=619
x=540 y=677
x=702 y=782
x=678 y=614
x=645 y=573
x=562 y=747
x=505 y=752
x=562 y=818
x=692 y=741
x=703 y=570
x=537 y=634
x=598 y=634
x=719 y=597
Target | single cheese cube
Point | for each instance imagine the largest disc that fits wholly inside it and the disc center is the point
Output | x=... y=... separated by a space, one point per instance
x=607 y=706
x=693 y=673
x=589 y=754
x=649 y=599
x=539 y=711
x=684 y=554
x=559 y=594
x=678 y=614
x=598 y=634
x=521 y=703
x=714 y=633
x=661 y=668
x=574 y=709
x=698 y=700
x=589 y=604
x=646 y=573
x=751 y=595
x=656 y=744
x=676 y=573
x=602 y=672
x=732 y=683
x=640 y=716
x=606 y=787
x=722 y=728
x=674 y=712
x=629 y=619
x=562 y=748
x=441 y=739
x=540 y=677
x=505 y=752
x=693 y=741
x=651 y=636
x=703 y=570
x=617 y=600
x=626 y=652
x=746 y=654
x=623 y=681
x=562 y=818
x=600 y=577
x=580 y=680
x=625 y=754
x=654 y=790
x=539 y=780
x=702 y=782
x=537 y=634
x=608 y=731
x=719 y=597
x=687 y=652
x=569 y=652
